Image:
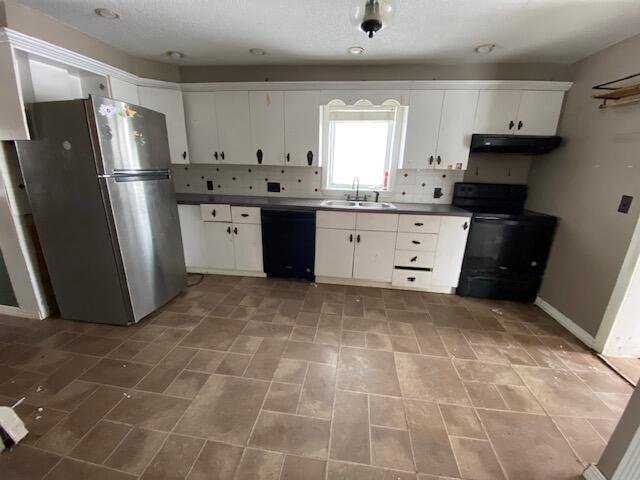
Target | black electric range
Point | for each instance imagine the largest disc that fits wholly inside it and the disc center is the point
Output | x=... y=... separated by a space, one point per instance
x=508 y=246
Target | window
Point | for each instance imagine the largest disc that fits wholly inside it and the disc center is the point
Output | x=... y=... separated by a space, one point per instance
x=361 y=140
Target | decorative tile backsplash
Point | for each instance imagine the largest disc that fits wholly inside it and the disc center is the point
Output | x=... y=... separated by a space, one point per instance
x=303 y=182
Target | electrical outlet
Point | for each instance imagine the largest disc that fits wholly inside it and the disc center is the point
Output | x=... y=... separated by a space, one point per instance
x=437 y=192
x=625 y=204
x=209 y=184
x=273 y=186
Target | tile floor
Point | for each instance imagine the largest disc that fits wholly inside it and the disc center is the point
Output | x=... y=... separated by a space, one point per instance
x=245 y=378
x=629 y=368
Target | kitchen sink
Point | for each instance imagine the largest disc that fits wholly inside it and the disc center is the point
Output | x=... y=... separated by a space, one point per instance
x=339 y=204
x=357 y=205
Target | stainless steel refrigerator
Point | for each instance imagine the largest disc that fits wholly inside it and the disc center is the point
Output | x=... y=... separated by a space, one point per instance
x=98 y=176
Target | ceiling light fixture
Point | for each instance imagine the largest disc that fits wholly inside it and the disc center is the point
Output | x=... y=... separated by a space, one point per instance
x=257 y=52
x=175 y=55
x=484 y=49
x=106 y=13
x=355 y=50
x=371 y=16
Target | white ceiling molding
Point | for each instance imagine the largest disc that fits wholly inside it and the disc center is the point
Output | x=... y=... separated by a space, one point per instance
x=53 y=52
x=47 y=50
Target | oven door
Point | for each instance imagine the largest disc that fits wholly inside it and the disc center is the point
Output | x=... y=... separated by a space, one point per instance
x=507 y=246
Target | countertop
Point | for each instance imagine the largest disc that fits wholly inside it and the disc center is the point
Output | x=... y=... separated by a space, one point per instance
x=316 y=204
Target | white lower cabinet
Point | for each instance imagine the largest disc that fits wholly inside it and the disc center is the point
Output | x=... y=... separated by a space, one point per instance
x=374 y=252
x=213 y=242
x=334 y=252
x=248 y=247
x=452 y=241
x=219 y=245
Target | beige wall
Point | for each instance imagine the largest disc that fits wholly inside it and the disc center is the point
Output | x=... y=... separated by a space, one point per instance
x=275 y=73
x=30 y=22
x=582 y=182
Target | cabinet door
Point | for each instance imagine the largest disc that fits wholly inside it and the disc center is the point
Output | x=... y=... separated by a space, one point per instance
x=456 y=128
x=539 y=113
x=452 y=242
x=267 y=127
x=234 y=127
x=169 y=102
x=497 y=111
x=13 y=121
x=301 y=127
x=334 y=252
x=374 y=255
x=193 y=236
x=124 y=91
x=423 y=123
x=202 y=126
x=248 y=247
x=219 y=245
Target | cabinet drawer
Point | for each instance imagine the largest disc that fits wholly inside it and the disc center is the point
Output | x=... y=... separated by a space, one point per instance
x=344 y=220
x=382 y=222
x=245 y=215
x=423 y=242
x=411 y=278
x=419 y=223
x=215 y=213
x=407 y=258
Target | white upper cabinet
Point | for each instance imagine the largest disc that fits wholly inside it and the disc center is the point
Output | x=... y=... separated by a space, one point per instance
x=376 y=97
x=202 y=127
x=518 y=112
x=497 y=111
x=267 y=127
x=456 y=128
x=301 y=127
x=123 y=91
x=169 y=102
x=234 y=127
x=13 y=121
x=423 y=124
x=539 y=112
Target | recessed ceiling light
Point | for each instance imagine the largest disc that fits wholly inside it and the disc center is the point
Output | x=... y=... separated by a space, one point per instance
x=484 y=49
x=106 y=13
x=257 y=51
x=355 y=50
x=175 y=55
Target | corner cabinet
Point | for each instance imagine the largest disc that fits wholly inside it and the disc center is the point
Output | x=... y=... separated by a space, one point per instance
x=169 y=102
x=518 y=112
x=220 y=239
x=439 y=129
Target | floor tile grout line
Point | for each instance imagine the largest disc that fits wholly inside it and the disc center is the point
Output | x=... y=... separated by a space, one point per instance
x=333 y=408
x=304 y=381
x=369 y=429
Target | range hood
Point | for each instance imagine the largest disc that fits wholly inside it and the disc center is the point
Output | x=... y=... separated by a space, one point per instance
x=518 y=144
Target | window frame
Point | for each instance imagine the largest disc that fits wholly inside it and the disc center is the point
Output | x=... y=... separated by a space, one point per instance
x=395 y=143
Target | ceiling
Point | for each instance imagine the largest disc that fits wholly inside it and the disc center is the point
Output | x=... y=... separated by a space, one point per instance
x=220 y=32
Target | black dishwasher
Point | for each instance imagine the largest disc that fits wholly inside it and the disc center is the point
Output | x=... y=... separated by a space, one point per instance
x=288 y=243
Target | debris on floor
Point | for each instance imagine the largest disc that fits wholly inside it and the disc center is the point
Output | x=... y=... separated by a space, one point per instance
x=12 y=428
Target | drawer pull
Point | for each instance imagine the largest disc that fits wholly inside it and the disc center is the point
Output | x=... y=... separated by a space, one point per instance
x=411 y=279
x=235 y=230
x=414 y=258
x=213 y=212
x=415 y=242
x=418 y=224
x=229 y=230
x=245 y=215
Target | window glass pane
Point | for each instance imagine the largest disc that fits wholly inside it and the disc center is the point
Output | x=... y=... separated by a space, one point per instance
x=360 y=148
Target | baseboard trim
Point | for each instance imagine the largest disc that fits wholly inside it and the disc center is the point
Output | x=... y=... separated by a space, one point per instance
x=220 y=271
x=18 y=312
x=566 y=322
x=592 y=472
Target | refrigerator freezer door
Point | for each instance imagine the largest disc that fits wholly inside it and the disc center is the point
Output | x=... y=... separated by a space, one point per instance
x=145 y=219
x=128 y=137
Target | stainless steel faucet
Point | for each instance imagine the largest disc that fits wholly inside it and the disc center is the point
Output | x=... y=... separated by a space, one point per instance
x=355 y=185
